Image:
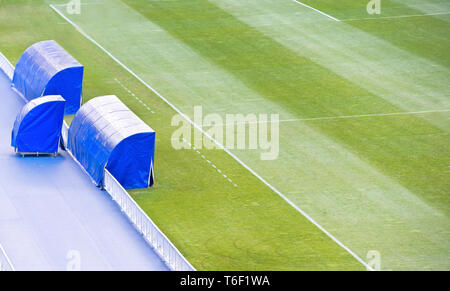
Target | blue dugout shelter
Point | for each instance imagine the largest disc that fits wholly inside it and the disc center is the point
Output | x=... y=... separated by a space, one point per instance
x=37 y=128
x=105 y=134
x=45 y=68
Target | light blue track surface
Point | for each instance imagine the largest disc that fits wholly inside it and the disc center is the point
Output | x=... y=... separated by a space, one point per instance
x=50 y=208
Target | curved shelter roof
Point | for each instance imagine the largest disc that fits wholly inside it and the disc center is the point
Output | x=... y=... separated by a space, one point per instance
x=106 y=134
x=45 y=68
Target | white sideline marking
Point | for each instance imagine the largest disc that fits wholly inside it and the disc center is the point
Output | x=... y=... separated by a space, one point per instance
x=215 y=141
x=337 y=117
x=82 y=4
x=317 y=10
x=398 y=16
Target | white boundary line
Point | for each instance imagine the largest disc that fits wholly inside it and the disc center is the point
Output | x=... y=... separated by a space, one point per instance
x=337 y=117
x=317 y=10
x=2 y=250
x=82 y=4
x=214 y=140
x=398 y=16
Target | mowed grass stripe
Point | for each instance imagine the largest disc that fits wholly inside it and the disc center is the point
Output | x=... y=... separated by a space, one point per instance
x=386 y=71
x=262 y=64
x=426 y=36
x=185 y=24
x=368 y=238
x=434 y=162
x=355 y=9
x=222 y=147
x=215 y=225
x=257 y=60
x=343 y=49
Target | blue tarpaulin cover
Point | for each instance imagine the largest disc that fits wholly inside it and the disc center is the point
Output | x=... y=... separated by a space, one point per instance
x=105 y=133
x=37 y=128
x=48 y=207
x=45 y=68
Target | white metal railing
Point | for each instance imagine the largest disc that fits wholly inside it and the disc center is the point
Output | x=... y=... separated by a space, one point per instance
x=5 y=263
x=6 y=66
x=152 y=234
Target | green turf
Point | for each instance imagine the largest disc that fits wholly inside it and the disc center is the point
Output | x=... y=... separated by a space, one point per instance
x=424 y=36
x=214 y=224
x=377 y=183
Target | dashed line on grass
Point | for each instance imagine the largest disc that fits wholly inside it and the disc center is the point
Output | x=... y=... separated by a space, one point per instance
x=209 y=162
x=133 y=95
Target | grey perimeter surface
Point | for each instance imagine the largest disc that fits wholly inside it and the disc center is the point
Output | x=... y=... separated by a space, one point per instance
x=52 y=217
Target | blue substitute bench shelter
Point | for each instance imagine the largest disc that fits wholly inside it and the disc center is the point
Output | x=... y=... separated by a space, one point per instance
x=37 y=129
x=45 y=68
x=105 y=134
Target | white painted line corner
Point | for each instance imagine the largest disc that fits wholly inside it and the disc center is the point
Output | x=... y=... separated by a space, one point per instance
x=317 y=10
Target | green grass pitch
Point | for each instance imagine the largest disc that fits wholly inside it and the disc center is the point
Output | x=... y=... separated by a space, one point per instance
x=377 y=181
